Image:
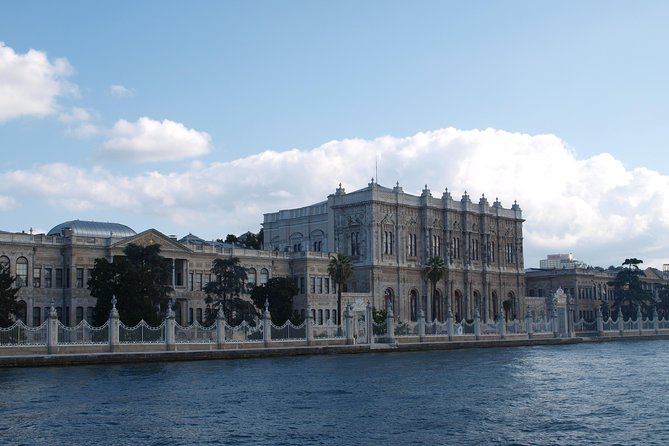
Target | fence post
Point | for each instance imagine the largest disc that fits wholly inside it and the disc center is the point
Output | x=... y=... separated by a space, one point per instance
x=477 y=323
x=621 y=323
x=347 y=325
x=52 y=330
x=114 y=327
x=449 y=320
x=554 y=322
x=501 y=324
x=369 y=319
x=656 y=322
x=220 y=329
x=528 y=323
x=309 y=326
x=600 y=322
x=170 y=344
x=421 y=324
x=266 y=325
x=639 y=319
x=390 y=323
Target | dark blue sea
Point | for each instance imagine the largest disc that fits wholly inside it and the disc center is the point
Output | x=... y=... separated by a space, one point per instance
x=586 y=394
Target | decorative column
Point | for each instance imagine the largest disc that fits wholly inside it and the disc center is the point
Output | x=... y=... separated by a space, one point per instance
x=421 y=325
x=170 y=344
x=52 y=330
x=528 y=323
x=600 y=322
x=554 y=321
x=501 y=324
x=477 y=323
x=114 y=327
x=267 y=325
x=621 y=323
x=369 y=320
x=348 y=325
x=656 y=322
x=220 y=329
x=309 y=326
x=639 y=319
x=390 y=324
x=449 y=320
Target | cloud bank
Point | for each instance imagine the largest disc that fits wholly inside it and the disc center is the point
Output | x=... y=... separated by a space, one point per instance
x=593 y=207
x=149 y=140
x=30 y=83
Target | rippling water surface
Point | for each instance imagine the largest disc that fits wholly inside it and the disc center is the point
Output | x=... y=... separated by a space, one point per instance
x=612 y=393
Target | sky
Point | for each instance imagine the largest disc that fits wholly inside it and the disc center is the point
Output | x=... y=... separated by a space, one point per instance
x=198 y=117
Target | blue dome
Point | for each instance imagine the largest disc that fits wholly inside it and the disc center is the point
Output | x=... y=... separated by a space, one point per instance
x=93 y=229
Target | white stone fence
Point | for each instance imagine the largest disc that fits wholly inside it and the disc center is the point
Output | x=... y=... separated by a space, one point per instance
x=358 y=325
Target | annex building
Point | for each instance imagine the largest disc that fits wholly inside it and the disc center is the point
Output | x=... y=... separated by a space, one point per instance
x=388 y=233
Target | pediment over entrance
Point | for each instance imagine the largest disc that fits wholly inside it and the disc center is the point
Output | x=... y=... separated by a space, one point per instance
x=153 y=237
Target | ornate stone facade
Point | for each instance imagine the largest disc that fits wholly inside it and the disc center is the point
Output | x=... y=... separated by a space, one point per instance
x=391 y=234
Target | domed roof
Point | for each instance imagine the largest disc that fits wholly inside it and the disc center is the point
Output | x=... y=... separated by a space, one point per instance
x=93 y=229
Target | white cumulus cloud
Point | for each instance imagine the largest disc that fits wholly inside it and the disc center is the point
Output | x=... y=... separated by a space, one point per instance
x=30 y=83
x=594 y=207
x=149 y=140
x=121 y=91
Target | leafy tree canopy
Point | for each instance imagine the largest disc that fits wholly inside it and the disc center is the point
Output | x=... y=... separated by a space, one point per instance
x=224 y=292
x=139 y=280
x=9 y=307
x=279 y=292
x=629 y=292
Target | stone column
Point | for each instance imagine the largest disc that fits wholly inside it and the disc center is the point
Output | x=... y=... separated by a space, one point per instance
x=369 y=320
x=656 y=322
x=421 y=325
x=449 y=320
x=220 y=329
x=600 y=322
x=170 y=326
x=554 y=322
x=501 y=324
x=528 y=323
x=639 y=319
x=52 y=330
x=267 y=325
x=390 y=324
x=477 y=323
x=309 y=326
x=114 y=327
x=348 y=325
x=621 y=324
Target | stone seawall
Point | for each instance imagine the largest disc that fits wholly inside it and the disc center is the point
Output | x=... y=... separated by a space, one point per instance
x=33 y=359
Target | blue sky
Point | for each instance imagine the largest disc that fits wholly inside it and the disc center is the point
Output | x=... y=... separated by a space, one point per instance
x=200 y=116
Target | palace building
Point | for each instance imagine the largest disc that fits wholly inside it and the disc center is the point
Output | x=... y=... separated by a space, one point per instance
x=388 y=233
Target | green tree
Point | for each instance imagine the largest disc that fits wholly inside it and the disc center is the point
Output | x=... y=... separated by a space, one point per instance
x=279 y=292
x=139 y=280
x=434 y=272
x=629 y=292
x=340 y=270
x=225 y=290
x=663 y=304
x=9 y=307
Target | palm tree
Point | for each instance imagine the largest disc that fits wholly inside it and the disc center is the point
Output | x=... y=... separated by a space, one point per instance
x=340 y=269
x=434 y=271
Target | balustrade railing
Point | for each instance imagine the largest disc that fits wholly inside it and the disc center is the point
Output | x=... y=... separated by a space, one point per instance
x=20 y=334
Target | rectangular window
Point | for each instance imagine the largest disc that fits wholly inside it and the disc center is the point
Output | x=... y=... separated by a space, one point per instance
x=198 y=281
x=190 y=316
x=67 y=278
x=327 y=285
x=80 y=314
x=199 y=315
x=301 y=285
x=37 y=316
x=59 y=278
x=48 y=277
x=190 y=281
x=37 y=277
x=312 y=284
x=80 y=281
x=89 y=314
x=320 y=285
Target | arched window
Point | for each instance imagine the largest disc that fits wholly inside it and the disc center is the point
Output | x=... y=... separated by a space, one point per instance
x=4 y=264
x=251 y=276
x=457 y=304
x=264 y=276
x=22 y=271
x=413 y=301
